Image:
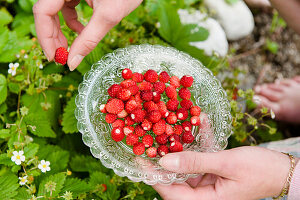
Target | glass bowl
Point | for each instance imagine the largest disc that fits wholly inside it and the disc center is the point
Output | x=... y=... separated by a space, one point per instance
x=207 y=93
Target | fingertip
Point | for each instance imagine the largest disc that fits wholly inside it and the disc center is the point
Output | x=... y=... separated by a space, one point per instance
x=170 y=162
x=73 y=62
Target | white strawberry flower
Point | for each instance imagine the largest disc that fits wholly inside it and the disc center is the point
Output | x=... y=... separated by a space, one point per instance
x=13 y=68
x=18 y=157
x=23 y=180
x=25 y=56
x=44 y=166
x=41 y=66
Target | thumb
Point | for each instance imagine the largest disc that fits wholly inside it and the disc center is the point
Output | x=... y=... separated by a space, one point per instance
x=196 y=162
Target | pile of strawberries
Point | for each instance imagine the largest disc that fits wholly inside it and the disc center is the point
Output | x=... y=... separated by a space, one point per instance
x=136 y=112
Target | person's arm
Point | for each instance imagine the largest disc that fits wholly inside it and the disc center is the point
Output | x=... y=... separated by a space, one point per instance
x=294 y=191
x=289 y=11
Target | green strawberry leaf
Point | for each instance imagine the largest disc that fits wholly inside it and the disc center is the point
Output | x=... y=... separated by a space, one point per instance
x=76 y=186
x=52 y=184
x=3 y=88
x=69 y=121
x=5 y=16
x=8 y=185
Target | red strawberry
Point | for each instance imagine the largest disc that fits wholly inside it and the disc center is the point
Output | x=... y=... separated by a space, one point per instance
x=138 y=149
x=129 y=121
x=132 y=139
x=186 y=81
x=147 y=95
x=162 y=150
x=195 y=120
x=159 y=127
x=108 y=100
x=169 y=129
x=138 y=115
x=118 y=123
x=147 y=125
x=172 y=118
x=122 y=114
x=174 y=137
x=151 y=152
x=145 y=86
x=104 y=186
x=114 y=90
x=164 y=77
x=175 y=81
x=137 y=77
x=61 y=55
x=110 y=118
x=171 y=92
x=187 y=137
x=124 y=94
x=164 y=113
x=176 y=146
x=102 y=108
x=182 y=114
x=150 y=106
x=128 y=83
x=172 y=104
x=162 y=139
x=151 y=76
x=154 y=116
x=184 y=93
x=161 y=106
x=134 y=89
x=117 y=134
x=138 y=99
x=178 y=129
x=130 y=106
x=159 y=87
x=156 y=97
x=139 y=131
x=114 y=106
x=128 y=129
x=126 y=73
x=195 y=110
x=147 y=140
x=187 y=126
x=186 y=104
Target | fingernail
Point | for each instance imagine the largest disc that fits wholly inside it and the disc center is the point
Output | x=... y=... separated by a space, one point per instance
x=257 y=89
x=256 y=99
x=75 y=62
x=170 y=162
x=46 y=56
x=277 y=81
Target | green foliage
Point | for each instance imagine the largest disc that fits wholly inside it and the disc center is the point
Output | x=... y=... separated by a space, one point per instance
x=3 y=88
x=231 y=1
x=51 y=186
x=271 y=46
x=8 y=185
x=69 y=121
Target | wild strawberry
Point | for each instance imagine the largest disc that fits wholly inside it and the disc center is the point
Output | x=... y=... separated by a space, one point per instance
x=61 y=55
x=122 y=114
x=164 y=77
x=169 y=129
x=164 y=113
x=108 y=100
x=159 y=127
x=186 y=104
x=147 y=125
x=187 y=126
x=145 y=86
x=150 y=106
x=175 y=81
x=147 y=95
x=129 y=121
x=151 y=152
x=138 y=115
x=195 y=110
x=102 y=108
x=162 y=150
x=126 y=73
x=124 y=94
x=138 y=99
x=184 y=93
x=172 y=118
x=110 y=118
x=161 y=106
x=134 y=89
x=128 y=129
x=186 y=81
x=132 y=139
x=171 y=92
x=172 y=104
x=178 y=129
x=114 y=106
x=176 y=146
x=156 y=97
x=104 y=186
x=151 y=76
x=187 y=137
x=114 y=90
x=137 y=77
x=138 y=149
x=117 y=134
x=147 y=140
x=154 y=116
x=162 y=139
x=127 y=83
x=118 y=123
x=159 y=87
x=174 y=137
x=139 y=131
x=130 y=106
x=195 y=120
x=182 y=114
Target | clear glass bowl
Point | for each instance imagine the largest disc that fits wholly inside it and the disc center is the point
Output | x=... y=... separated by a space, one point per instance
x=207 y=93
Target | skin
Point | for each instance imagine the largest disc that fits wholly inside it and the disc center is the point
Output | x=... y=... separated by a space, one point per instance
x=107 y=13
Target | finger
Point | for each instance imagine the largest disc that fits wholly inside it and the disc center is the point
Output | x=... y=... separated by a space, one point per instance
x=193 y=182
x=45 y=24
x=207 y=179
x=264 y=102
x=276 y=87
x=61 y=40
x=270 y=93
x=297 y=78
x=70 y=16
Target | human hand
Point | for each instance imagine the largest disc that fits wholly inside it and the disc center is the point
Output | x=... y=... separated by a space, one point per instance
x=241 y=173
x=107 y=13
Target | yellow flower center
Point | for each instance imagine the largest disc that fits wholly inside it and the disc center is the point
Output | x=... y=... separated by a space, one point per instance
x=44 y=166
x=23 y=180
x=13 y=68
x=18 y=157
